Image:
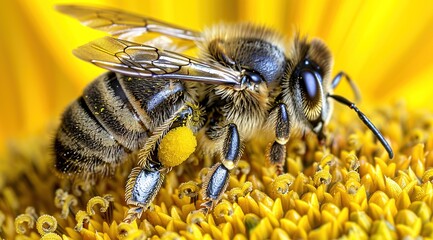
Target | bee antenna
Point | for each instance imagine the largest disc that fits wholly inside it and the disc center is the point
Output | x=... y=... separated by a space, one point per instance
x=352 y=84
x=366 y=121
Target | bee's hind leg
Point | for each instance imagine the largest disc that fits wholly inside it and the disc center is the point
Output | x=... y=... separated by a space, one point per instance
x=218 y=177
x=142 y=186
x=157 y=158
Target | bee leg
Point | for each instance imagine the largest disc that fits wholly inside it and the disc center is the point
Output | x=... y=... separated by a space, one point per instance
x=145 y=181
x=142 y=186
x=276 y=153
x=218 y=177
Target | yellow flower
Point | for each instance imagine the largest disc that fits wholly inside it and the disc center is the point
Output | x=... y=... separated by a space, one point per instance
x=350 y=189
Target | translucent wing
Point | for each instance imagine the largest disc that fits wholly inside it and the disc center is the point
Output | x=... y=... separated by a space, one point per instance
x=125 y=25
x=150 y=62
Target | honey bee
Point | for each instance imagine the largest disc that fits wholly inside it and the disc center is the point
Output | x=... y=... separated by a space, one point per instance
x=245 y=83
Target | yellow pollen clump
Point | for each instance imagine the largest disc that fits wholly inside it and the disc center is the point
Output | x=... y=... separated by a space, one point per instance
x=176 y=146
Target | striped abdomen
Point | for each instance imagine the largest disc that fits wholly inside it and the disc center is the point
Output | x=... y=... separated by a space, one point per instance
x=113 y=118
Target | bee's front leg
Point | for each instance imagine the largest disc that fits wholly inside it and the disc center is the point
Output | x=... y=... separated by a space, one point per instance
x=276 y=153
x=218 y=177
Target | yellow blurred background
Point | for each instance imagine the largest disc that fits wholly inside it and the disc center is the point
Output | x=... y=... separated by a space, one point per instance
x=385 y=46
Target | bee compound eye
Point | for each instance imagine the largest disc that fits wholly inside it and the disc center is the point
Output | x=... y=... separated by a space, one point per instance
x=310 y=83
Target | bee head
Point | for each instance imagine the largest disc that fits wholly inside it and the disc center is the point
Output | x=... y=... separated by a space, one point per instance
x=307 y=81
